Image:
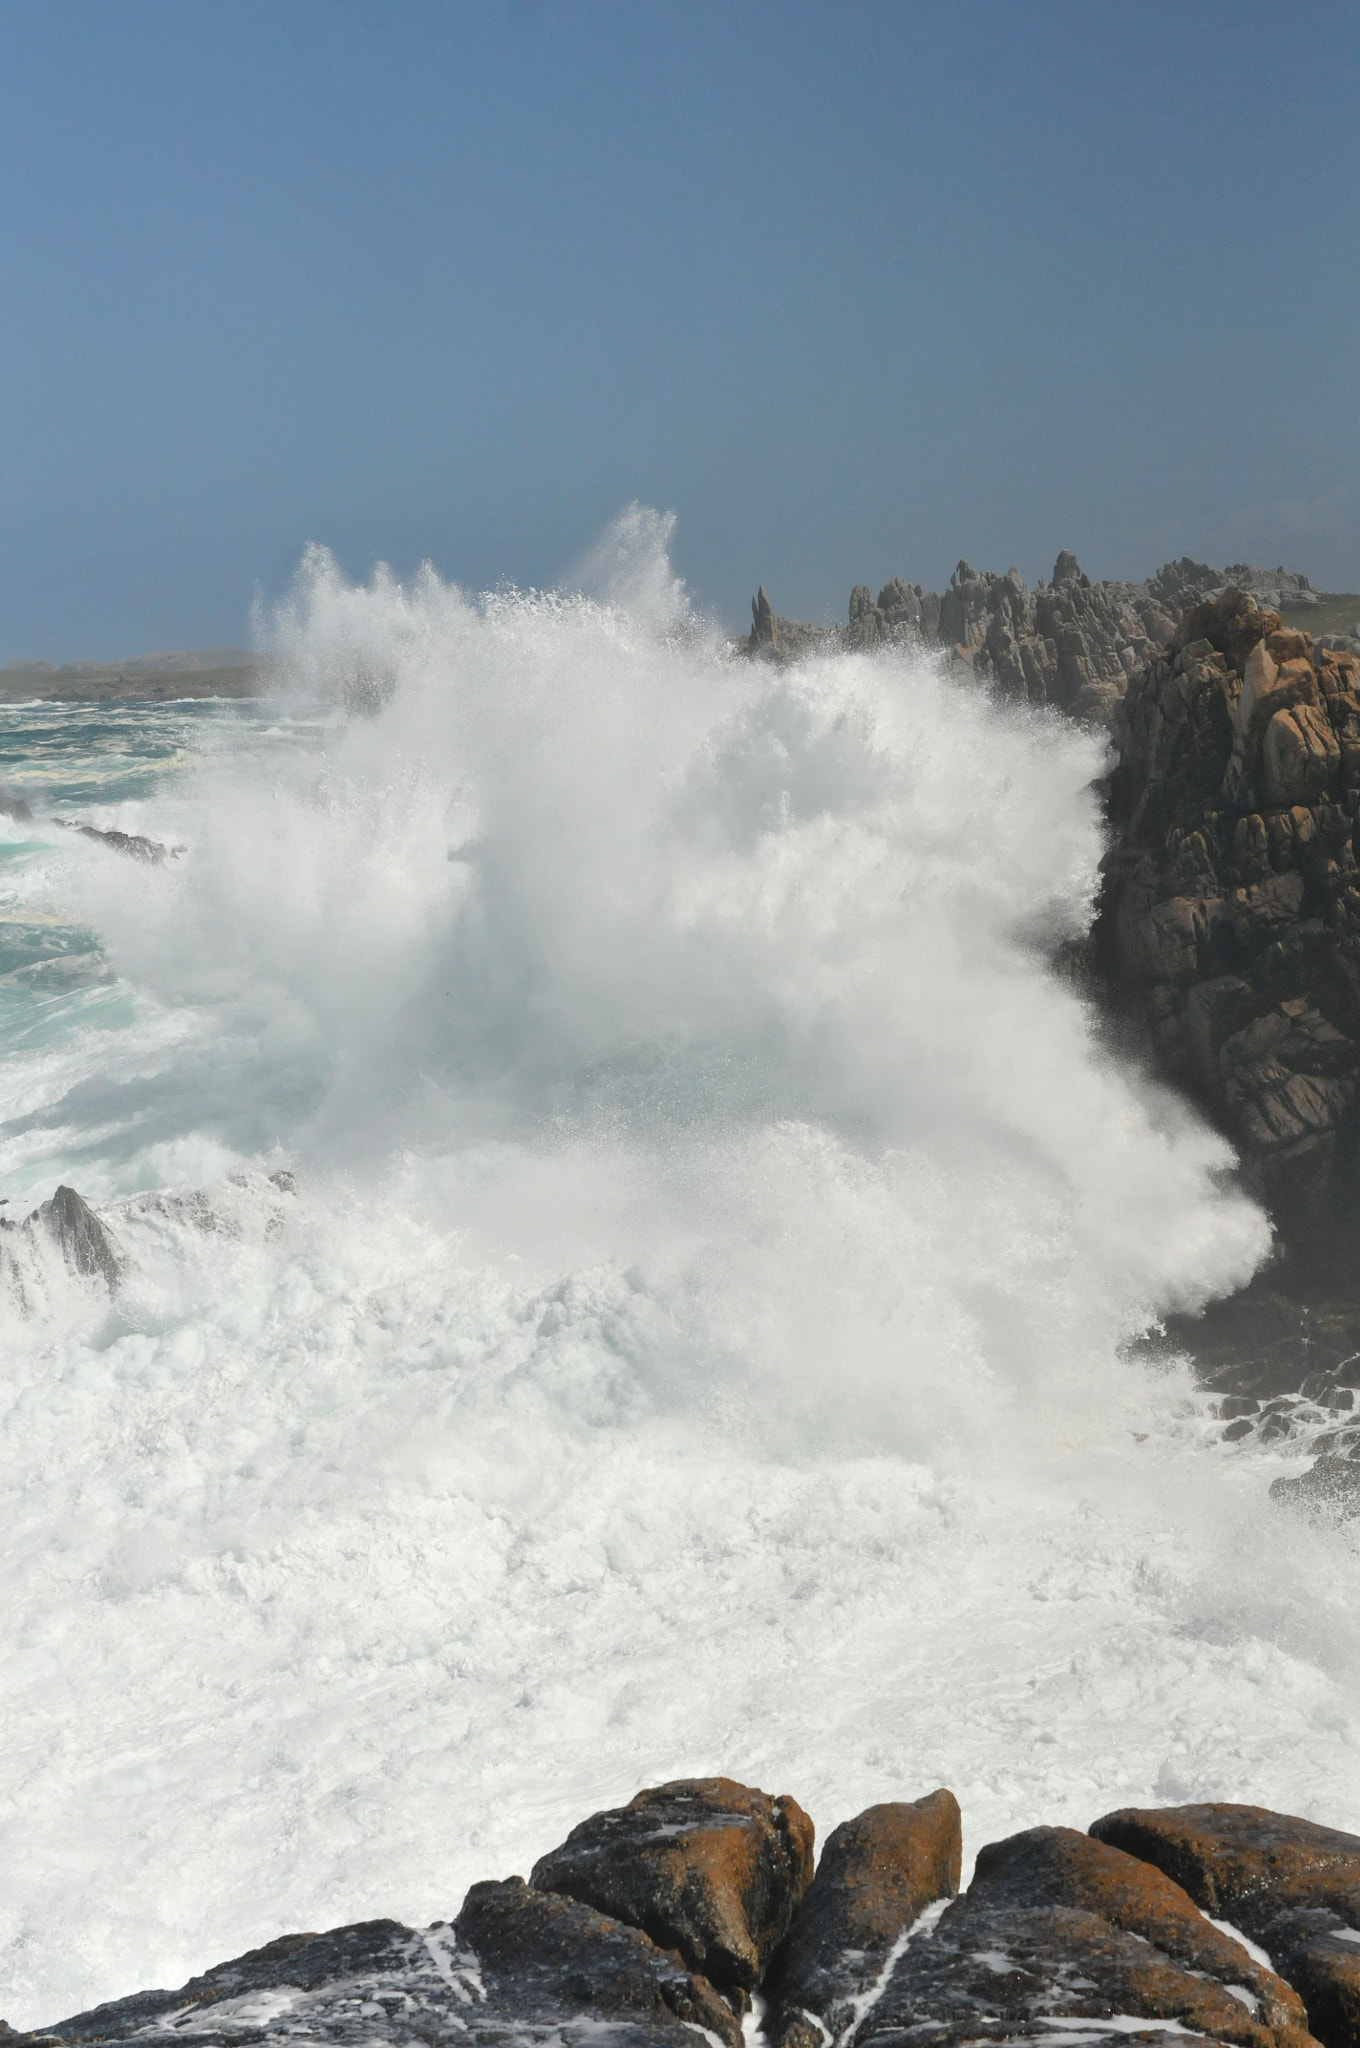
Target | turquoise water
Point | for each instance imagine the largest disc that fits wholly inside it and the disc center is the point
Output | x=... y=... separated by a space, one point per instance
x=79 y=1069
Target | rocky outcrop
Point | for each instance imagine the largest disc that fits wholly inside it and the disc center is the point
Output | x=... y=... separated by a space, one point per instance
x=15 y=808
x=1071 y=642
x=1232 y=898
x=130 y=843
x=1290 y=1884
x=67 y=1221
x=704 y=1865
x=876 y=1876
x=1061 y=1936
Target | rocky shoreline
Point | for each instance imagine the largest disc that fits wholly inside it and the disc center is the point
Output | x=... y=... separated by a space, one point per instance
x=695 y=1909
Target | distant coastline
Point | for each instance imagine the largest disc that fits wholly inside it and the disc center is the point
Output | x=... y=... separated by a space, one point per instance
x=148 y=679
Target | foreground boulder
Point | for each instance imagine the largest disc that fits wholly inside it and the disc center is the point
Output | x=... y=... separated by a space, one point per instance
x=516 y=1966
x=375 y=1981
x=704 y=1865
x=876 y=1876
x=1292 y=1885
x=1051 y=1933
x=545 y=1960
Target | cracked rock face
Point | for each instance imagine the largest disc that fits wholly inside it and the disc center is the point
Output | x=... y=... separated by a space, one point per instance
x=1232 y=893
x=877 y=1874
x=703 y=1865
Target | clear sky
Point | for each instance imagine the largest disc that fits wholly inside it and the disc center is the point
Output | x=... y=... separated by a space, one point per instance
x=854 y=289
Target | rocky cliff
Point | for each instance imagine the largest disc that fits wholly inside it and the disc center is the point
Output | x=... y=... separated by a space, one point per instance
x=1231 y=921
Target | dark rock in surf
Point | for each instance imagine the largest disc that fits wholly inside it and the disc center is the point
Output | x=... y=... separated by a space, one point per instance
x=704 y=1865
x=1291 y=1884
x=14 y=807
x=85 y=1245
x=130 y=843
x=1328 y=1491
x=876 y=1875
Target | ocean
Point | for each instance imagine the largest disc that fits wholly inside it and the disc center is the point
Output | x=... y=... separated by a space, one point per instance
x=630 y=1255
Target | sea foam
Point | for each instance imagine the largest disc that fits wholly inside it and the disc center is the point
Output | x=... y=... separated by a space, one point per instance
x=685 y=1330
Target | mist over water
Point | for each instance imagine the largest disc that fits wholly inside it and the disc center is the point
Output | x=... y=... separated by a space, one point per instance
x=694 y=1340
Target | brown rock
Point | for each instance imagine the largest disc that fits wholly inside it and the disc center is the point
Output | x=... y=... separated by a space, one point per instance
x=877 y=1874
x=1292 y=1884
x=1300 y=754
x=1060 y=1867
x=999 y=1972
x=703 y=1865
x=1244 y=1863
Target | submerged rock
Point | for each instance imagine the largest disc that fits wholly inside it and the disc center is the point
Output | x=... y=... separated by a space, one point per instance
x=1291 y=1884
x=704 y=1865
x=1328 y=1490
x=877 y=1874
x=130 y=843
x=15 y=807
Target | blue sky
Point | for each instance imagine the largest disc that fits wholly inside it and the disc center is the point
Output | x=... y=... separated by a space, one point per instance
x=853 y=289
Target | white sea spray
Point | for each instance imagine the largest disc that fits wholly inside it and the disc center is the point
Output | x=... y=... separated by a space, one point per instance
x=693 y=1341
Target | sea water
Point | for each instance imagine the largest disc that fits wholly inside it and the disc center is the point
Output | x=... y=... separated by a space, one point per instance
x=630 y=1247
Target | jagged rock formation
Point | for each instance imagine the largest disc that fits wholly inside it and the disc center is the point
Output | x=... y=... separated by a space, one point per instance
x=1232 y=899
x=1060 y=1936
x=1071 y=642
x=68 y=1222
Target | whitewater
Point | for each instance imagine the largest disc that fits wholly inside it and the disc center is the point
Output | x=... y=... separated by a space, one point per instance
x=631 y=1247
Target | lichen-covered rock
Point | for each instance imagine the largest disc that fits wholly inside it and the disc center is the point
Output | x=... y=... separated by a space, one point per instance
x=1062 y=1867
x=877 y=1874
x=705 y=1865
x=1002 y=1973
x=1292 y=1884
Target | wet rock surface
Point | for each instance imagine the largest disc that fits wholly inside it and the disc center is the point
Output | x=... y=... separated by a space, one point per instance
x=67 y=1222
x=1061 y=1937
x=1291 y=1884
x=706 y=1866
x=877 y=1874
